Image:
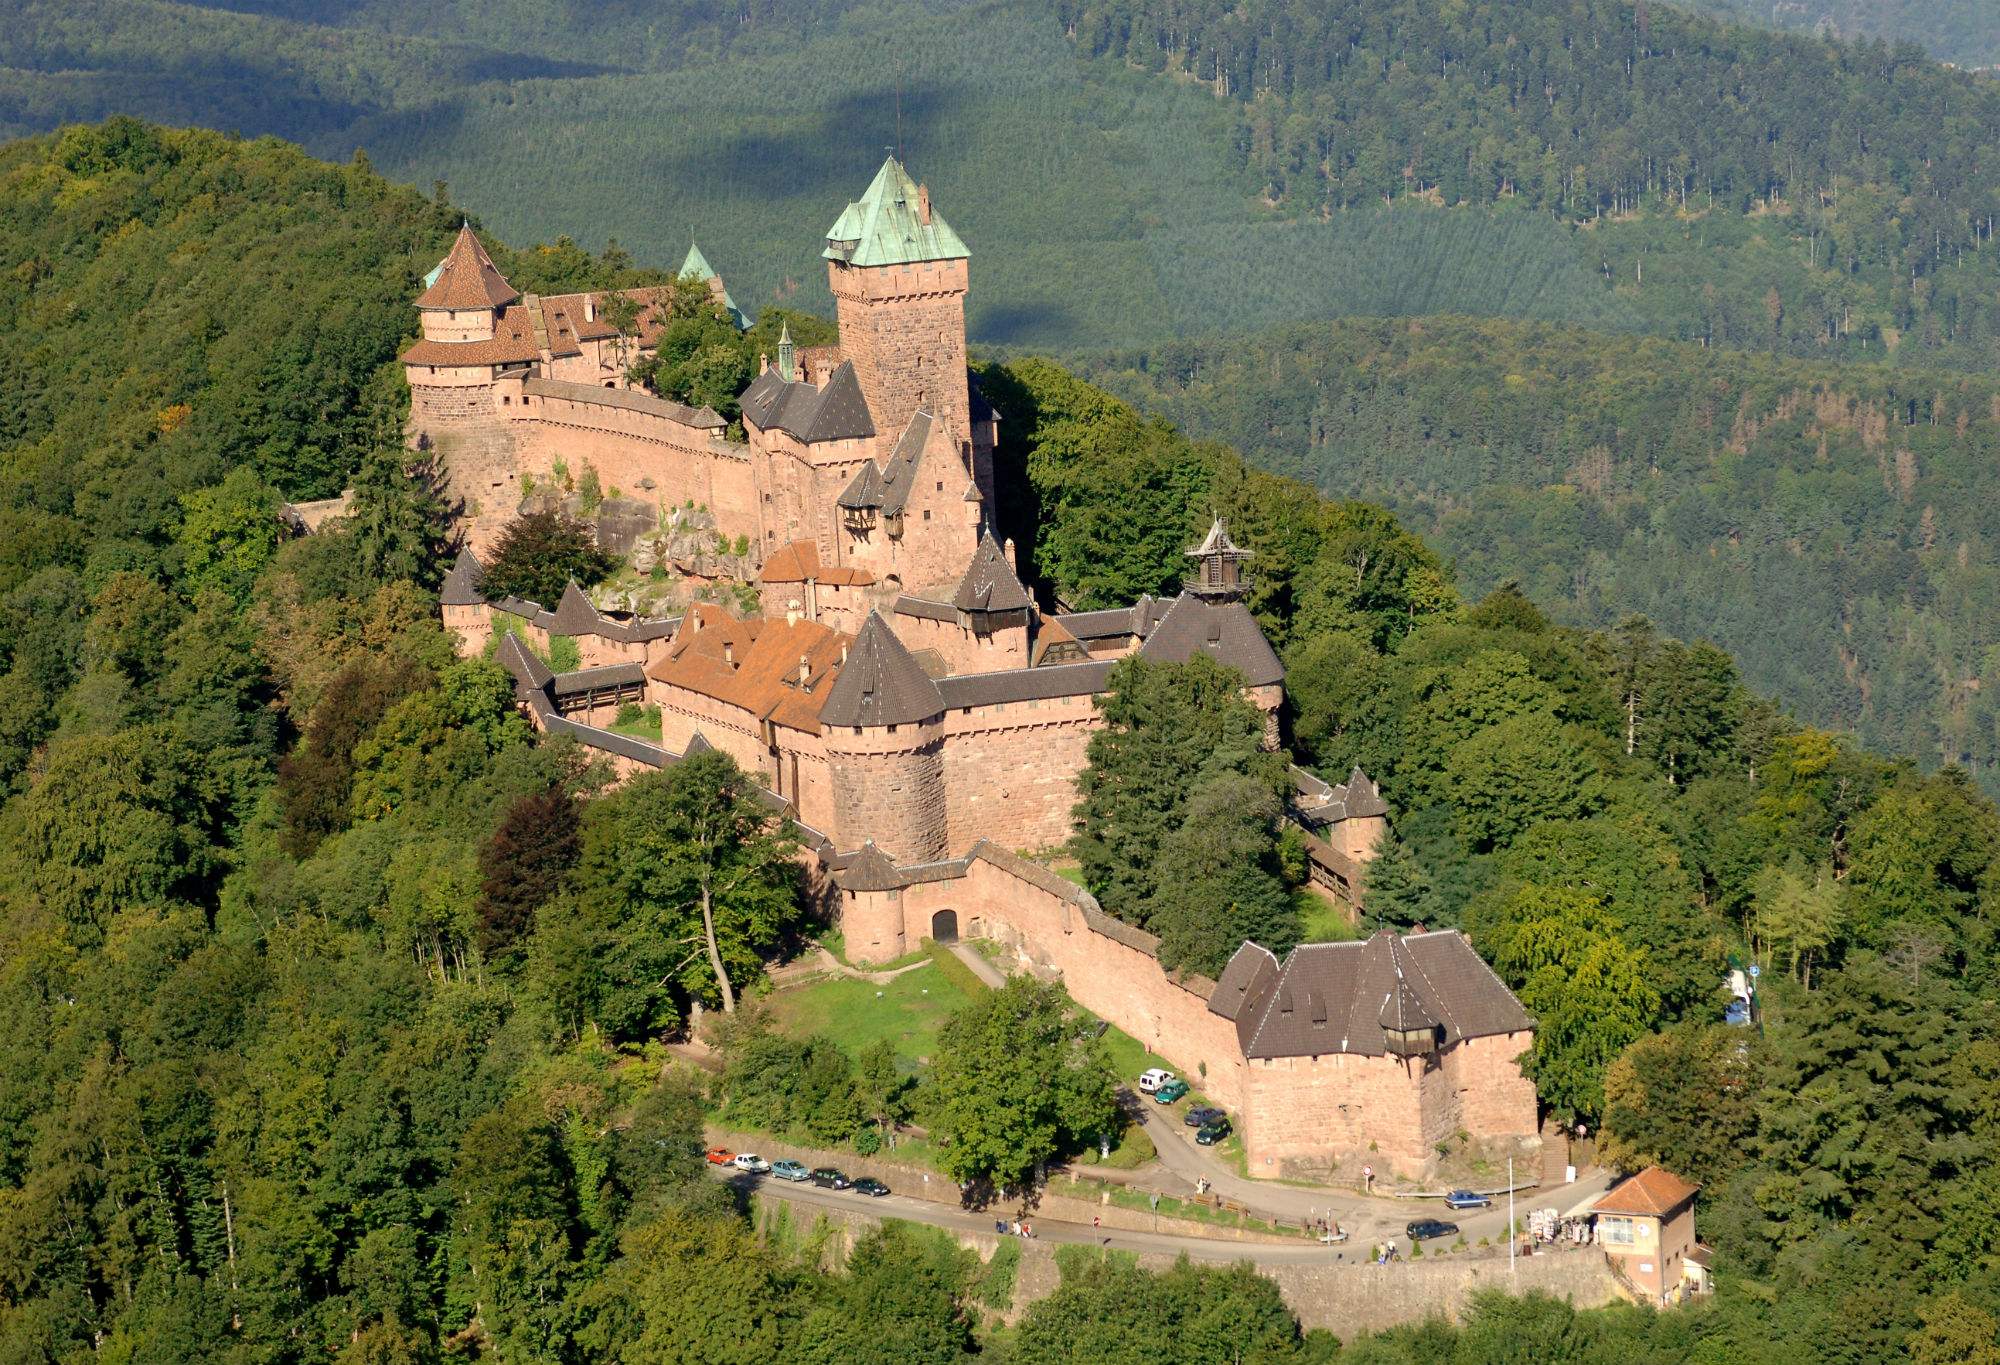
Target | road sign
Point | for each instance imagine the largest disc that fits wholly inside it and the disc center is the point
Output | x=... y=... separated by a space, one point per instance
x=1755 y=970
x=1156 y=1203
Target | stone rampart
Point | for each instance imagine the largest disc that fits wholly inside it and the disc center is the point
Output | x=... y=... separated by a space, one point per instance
x=1345 y=1299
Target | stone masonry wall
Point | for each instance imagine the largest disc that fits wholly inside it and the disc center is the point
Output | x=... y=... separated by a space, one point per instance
x=1342 y=1106
x=476 y=449
x=889 y=788
x=1010 y=771
x=1344 y=1298
x=1111 y=979
x=961 y=647
x=1494 y=1096
x=904 y=329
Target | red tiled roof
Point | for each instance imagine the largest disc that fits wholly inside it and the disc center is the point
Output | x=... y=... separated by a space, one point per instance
x=468 y=278
x=1653 y=1192
x=755 y=665
x=513 y=340
x=798 y=560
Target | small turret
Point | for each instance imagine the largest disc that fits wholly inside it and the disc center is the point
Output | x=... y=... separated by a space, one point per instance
x=1218 y=574
x=786 y=353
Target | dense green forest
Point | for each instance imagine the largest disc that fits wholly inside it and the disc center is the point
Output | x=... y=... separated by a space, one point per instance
x=1548 y=162
x=333 y=998
x=1961 y=32
x=1828 y=525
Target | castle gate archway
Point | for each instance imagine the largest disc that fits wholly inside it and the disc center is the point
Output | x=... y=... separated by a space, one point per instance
x=944 y=926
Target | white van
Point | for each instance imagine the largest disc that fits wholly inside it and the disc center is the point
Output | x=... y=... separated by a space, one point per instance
x=1149 y=1081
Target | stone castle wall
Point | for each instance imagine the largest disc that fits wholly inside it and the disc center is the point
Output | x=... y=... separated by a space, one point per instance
x=1010 y=771
x=960 y=647
x=889 y=788
x=1041 y=918
x=475 y=447
x=904 y=328
x=1346 y=1297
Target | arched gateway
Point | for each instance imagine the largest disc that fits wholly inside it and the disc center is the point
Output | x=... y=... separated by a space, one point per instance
x=944 y=926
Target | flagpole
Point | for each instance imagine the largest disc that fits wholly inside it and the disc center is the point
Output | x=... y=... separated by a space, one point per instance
x=1510 y=1216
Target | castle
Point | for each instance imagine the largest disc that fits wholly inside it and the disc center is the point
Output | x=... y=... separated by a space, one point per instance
x=905 y=700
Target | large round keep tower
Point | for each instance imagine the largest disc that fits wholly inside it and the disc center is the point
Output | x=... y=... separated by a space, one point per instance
x=883 y=728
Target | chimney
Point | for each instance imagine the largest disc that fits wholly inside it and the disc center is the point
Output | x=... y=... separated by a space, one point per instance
x=729 y=653
x=805 y=669
x=792 y=612
x=590 y=307
x=924 y=205
x=1008 y=548
x=843 y=653
x=763 y=362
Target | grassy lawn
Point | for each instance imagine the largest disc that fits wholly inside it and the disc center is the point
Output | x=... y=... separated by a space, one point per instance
x=1320 y=921
x=907 y=1011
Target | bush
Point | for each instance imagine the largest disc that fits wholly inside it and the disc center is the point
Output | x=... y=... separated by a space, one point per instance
x=868 y=1141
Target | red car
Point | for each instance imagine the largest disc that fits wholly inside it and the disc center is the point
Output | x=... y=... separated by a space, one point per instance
x=720 y=1156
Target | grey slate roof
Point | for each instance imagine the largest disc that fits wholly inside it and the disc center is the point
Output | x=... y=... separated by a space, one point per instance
x=925 y=608
x=598 y=679
x=880 y=684
x=1026 y=684
x=865 y=489
x=530 y=673
x=1319 y=804
x=1330 y=998
x=835 y=413
x=1223 y=630
x=889 y=487
x=870 y=870
x=461 y=585
x=990 y=583
x=574 y=614
x=632 y=400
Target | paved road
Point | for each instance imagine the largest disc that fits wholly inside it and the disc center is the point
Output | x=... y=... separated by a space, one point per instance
x=982 y=966
x=1051 y=1230
x=1367 y=1220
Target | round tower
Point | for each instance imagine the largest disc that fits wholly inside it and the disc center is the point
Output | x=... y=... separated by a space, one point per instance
x=882 y=725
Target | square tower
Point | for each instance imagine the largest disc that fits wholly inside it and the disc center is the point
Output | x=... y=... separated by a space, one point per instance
x=898 y=275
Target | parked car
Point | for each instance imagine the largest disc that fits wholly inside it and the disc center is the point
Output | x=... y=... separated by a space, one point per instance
x=1467 y=1199
x=1171 y=1091
x=719 y=1156
x=1212 y=1133
x=1737 y=1014
x=1150 y=1081
x=1202 y=1115
x=790 y=1170
x=1426 y=1228
x=751 y=1163
x=871 y=1187
x=827 y=1178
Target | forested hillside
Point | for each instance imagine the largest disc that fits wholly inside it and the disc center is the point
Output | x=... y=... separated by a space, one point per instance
x=1962 y=32
x=1126 y=173
x=332 y=998
x=1828 y=525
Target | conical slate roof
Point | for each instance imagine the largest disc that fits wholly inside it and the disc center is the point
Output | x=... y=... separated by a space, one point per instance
x=880 y=684
x=461 y=585
x=990 y=583
x=574 y=614
x=468 y=278
x=887 y=226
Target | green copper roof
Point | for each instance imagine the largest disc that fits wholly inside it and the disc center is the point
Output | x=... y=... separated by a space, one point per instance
x=697 y=265
x=886 y=227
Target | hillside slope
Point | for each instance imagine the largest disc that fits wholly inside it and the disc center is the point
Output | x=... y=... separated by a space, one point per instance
x=1834 y=527
x=1112 y=198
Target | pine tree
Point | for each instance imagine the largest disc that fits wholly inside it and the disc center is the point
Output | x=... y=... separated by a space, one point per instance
x=1397 y=893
